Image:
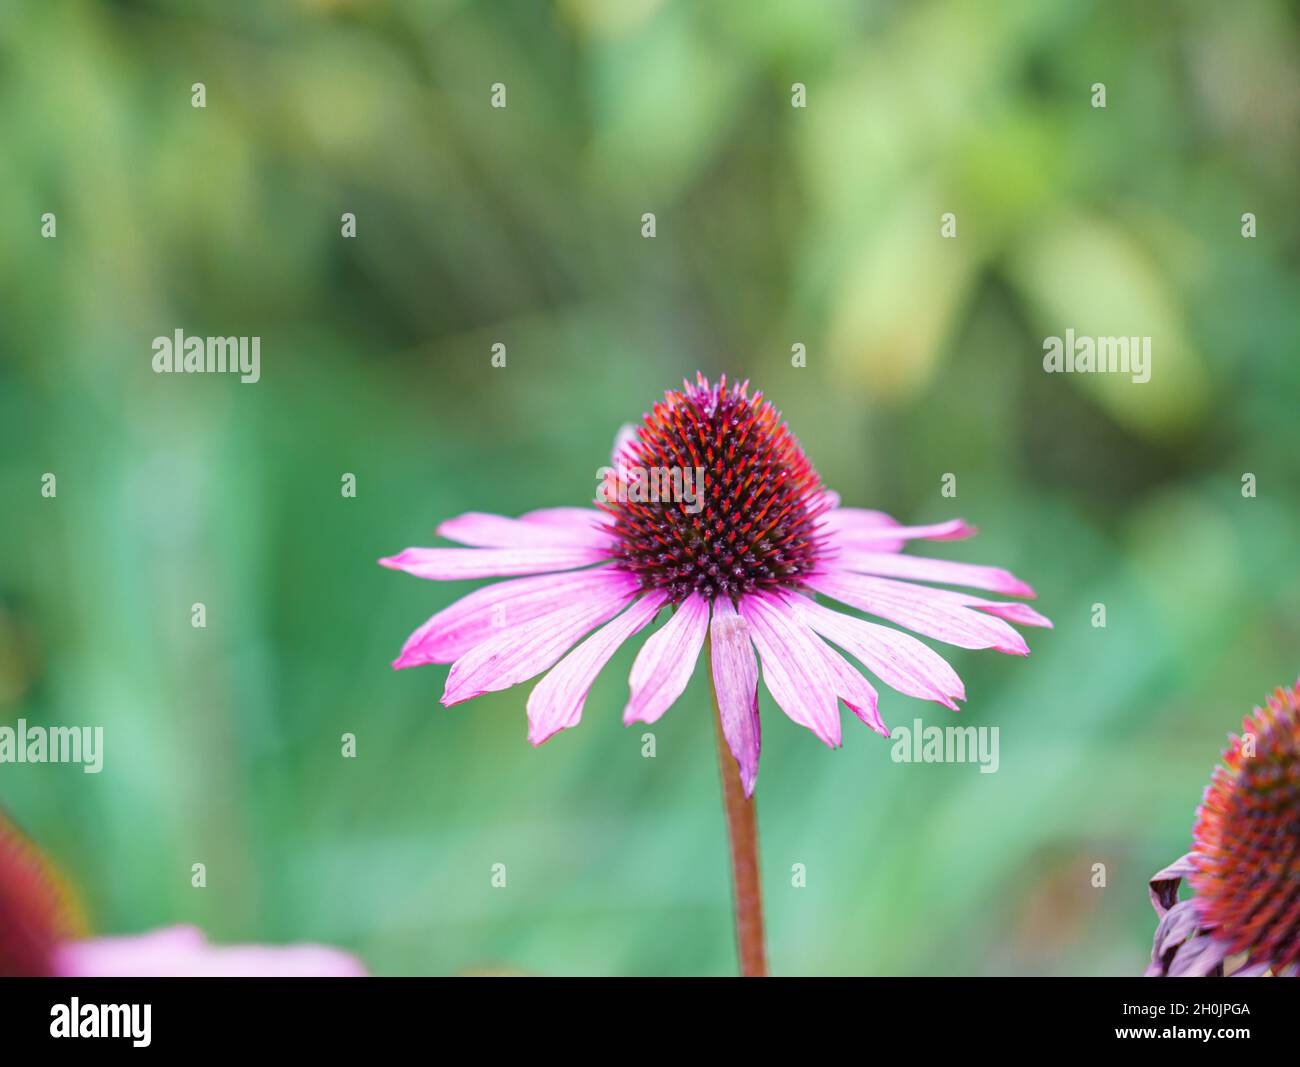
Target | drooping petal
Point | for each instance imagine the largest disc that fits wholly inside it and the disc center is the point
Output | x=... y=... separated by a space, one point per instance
x=182 y=952
x=556 y=701
x=899 y=660
x=793 y=670
x=735 y=686
x=482 y=614
x=927 y=611
x=1200 y=956
x=919 y=568
x=446 y=564
x=1163 y=885
x=666 y=661
x=1177 y=934
x=496 y=531
x=523 y=652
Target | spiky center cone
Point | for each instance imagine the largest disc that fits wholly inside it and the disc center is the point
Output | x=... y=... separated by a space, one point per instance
x=1248 y=836
x=750 y=526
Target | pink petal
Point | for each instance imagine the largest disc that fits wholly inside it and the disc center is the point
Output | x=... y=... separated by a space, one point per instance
x=627 y=435
x=877 y=532
x=556 y=701
x=482 y=614
x=581 y=518
x=952 y=530
x=852 y=688
x=862 y=519
x=523 y=652
x=893 y=565
x=666 y=661
x=927 y=611
x=445 y=564
x=897 y=659
x=495 y=531
x=182 y=952
x=1021 y=614
x=735 y=686
x=793 y=669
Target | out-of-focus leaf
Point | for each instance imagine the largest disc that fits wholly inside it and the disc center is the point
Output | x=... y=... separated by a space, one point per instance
x=1083 y=274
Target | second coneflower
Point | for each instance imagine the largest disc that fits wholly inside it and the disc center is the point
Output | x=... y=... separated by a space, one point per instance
x=712 y=511
x=1245 y=860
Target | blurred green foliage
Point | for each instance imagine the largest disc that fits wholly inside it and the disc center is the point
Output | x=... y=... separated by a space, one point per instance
x=775 y=226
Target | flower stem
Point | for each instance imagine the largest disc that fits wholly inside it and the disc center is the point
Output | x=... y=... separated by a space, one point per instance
x=742 y=829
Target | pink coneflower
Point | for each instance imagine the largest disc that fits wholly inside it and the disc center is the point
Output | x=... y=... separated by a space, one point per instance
x=740 y=565
x=1245 y=859
x=43 y=935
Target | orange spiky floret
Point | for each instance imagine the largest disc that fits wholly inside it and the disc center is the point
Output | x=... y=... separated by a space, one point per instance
x=755 y=528
x=1247 y=834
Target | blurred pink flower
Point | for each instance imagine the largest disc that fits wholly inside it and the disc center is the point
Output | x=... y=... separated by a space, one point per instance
x=183 y=952
x=739 y=558
x=42 y=934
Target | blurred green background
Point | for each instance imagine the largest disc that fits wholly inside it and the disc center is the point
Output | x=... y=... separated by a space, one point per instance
x=775 y=226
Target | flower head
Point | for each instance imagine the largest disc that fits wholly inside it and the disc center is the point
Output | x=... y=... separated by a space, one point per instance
x=756 y=528
x=1245 y=860
x=711 y=510
x=37 y=911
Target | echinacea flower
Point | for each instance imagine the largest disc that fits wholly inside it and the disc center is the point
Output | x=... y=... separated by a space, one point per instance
x=740 y=559
x=1245 y=860
x=43 y=935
